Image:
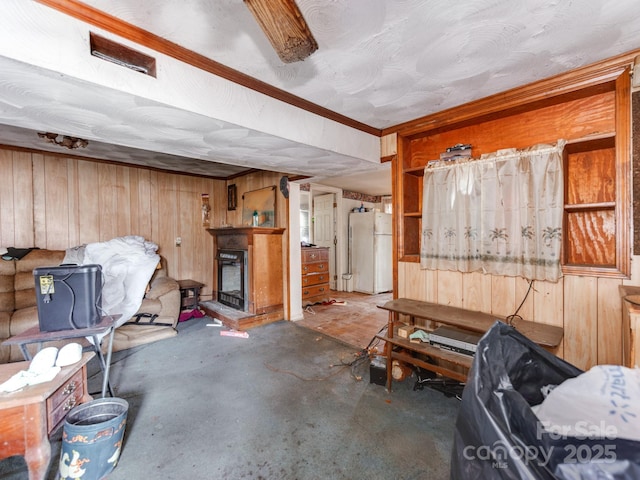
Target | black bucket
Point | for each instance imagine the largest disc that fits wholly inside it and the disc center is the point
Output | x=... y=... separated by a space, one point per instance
x=92 y=439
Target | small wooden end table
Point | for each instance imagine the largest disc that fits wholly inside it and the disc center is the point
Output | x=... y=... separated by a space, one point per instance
x=189 y=294
x=28 y=416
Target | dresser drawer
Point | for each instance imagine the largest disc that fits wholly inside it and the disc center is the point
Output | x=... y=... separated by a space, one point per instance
x=315 y=291
x=315 y=255
x=64 y=399
x=314 y=279
x=315 y=268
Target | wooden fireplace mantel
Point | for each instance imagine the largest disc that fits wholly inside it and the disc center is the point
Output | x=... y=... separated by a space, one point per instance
x=265 y=272
x=245 y=231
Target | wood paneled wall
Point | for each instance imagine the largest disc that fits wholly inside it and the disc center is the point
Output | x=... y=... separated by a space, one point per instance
x=57 y=202
x=588 y=308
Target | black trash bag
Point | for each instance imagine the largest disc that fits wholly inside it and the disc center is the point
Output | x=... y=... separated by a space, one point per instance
x=497 y=434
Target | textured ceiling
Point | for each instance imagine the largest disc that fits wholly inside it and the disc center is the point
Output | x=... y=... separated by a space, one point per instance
x=380 y=62
x=384 y=62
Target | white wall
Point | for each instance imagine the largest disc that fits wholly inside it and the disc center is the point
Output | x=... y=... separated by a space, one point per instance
x=295 y=260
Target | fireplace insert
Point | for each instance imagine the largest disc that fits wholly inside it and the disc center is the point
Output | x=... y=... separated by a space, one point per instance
x=233 y=279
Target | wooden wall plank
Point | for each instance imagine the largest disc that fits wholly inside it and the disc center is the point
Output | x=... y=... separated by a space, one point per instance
x=73 y=199
x=8 y=212
x=218 y=203
x=401 y=290
x=203 y=241
x=134 y=201
x=523 y=298
x=168 y=223
x=416 y=283
x=476 y=292
x=89 y=209
x=609 y=331
x=154 y=210
x=388 y=145
x=450 y=288
x=581 y=321
x=141 y=212
x=39 y=212
x=548 y=306
x=56 y=202
x=23 y=199
x=431 y=284
x=123 y=191
x=108 y=201
x=503 y=291
x=191 y=229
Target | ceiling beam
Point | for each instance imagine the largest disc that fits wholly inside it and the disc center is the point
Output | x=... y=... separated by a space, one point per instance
x=285 y=27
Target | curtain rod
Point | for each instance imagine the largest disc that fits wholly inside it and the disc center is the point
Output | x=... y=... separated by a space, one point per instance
x=503 y=154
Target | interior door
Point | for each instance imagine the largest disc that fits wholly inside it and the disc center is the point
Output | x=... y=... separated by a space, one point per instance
x=324 y=230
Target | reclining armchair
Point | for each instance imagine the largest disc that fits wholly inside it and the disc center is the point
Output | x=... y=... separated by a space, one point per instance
x=157 y=317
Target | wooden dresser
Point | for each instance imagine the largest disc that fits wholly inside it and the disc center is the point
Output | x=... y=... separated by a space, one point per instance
x=315 y=275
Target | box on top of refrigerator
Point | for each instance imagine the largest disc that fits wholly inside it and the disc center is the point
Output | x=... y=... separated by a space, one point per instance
x=68 y=296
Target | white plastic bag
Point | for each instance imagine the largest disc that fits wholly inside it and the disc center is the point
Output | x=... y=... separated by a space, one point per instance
x=603 y=402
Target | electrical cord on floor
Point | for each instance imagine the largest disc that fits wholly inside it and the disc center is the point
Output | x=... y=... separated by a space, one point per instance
x=300 y=377
x=372 y=349
x=360 y=358
x=513 y=316
x=363 y=357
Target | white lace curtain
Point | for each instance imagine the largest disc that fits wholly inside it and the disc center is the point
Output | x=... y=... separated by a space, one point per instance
x=501 y=214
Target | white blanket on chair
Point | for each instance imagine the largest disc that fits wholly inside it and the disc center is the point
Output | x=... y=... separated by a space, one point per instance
x=127 y=266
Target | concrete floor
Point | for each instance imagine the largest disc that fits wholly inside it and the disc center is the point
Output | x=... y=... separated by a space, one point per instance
x=271 y=406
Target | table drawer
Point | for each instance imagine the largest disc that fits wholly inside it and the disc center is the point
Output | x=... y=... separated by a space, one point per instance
x=64 y=399
x=315 y=267
x=315 y=255
x=315 y=279
x=315 y=290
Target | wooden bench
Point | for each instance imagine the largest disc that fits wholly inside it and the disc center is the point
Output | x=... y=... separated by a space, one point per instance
x=449 y=364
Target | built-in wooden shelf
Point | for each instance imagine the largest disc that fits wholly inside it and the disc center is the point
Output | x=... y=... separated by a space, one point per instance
x=593 y=120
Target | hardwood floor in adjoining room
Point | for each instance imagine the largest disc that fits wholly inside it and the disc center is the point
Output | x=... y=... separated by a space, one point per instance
x=356 y=322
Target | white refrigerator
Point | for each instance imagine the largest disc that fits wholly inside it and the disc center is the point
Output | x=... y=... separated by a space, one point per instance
x=370 y=250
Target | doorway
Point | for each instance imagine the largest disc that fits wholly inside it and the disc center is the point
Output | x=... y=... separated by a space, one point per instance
x=325 y=231
x=320 y=221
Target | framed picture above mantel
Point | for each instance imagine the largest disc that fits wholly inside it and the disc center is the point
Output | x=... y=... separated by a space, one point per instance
x=262 y=203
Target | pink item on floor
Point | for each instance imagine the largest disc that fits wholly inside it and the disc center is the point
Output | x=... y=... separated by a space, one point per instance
x=234 y=333
x=184 y=316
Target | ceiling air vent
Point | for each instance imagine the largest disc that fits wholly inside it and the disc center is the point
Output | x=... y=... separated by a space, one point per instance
x=120 y=55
